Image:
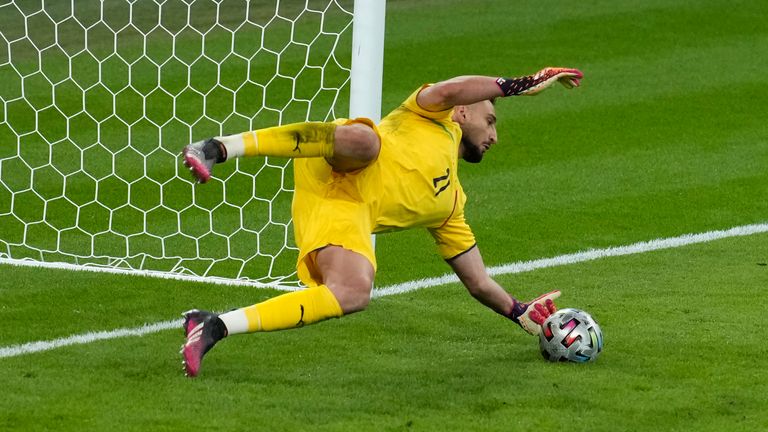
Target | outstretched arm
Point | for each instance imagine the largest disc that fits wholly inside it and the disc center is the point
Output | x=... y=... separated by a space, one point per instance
x=470 y=269
x=469 y=89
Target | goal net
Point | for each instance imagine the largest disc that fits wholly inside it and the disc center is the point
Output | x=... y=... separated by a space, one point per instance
x=98 y=98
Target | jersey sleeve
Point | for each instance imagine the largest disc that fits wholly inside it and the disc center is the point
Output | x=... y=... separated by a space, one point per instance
x=411 y=105
x=454 y=237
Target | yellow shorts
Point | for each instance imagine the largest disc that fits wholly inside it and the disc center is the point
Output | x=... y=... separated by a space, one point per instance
x=331 y=208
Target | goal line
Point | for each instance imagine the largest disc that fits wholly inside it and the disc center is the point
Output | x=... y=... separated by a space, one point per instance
x=512 y=268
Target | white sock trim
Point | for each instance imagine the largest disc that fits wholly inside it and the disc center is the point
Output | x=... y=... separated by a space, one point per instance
x=236 y=321
x=234 y=145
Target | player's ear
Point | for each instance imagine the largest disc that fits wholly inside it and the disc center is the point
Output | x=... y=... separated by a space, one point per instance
x=460 y=112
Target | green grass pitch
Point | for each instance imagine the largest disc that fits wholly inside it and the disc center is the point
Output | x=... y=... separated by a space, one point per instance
x=666 y=136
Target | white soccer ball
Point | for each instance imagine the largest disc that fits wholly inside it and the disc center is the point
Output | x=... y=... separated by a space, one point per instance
x=570 y=335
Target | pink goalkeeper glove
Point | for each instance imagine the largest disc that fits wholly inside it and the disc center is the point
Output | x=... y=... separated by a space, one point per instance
x=533 y=84
x=530 y=316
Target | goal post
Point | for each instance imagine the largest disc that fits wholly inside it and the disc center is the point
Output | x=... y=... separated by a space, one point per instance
x=98 y=98
x=367 y=59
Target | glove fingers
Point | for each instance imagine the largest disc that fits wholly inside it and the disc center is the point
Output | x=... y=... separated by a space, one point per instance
x=569 y=78
x=550 y=306
x=552 y=295
x=547 y=76
x=571 y=72
x=537 y=311
x=569 y=81
x=573 y=82
x=536 y=316
x=543 y=311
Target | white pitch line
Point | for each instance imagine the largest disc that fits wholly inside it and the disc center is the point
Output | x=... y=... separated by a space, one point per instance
x=148 y=273
x=590 y=255
x=33 y=347
x=512 y=268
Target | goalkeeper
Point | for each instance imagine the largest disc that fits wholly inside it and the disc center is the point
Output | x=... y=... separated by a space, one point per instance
x=354 y=178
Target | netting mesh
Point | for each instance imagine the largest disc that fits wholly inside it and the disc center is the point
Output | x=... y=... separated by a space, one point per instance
x=98 y=98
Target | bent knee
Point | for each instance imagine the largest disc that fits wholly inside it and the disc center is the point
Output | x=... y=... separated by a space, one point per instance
x=353 y=295
x=358 y=141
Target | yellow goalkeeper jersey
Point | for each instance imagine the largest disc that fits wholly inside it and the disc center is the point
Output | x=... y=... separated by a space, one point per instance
x=413 y=183
x=419 y=161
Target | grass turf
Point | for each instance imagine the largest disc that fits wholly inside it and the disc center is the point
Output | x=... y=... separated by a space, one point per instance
x=675 y=358
x=666 y=136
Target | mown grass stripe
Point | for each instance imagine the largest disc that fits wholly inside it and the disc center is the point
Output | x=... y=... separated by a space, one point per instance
x=512 y=268
x=590 y=255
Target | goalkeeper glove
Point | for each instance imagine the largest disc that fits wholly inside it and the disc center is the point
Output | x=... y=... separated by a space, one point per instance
x=533 y=84
x=530 y=316
x=199 y=157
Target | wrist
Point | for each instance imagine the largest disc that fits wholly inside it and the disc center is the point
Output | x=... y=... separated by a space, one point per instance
x=231 y=146
x=516 y=310
x=515 y=86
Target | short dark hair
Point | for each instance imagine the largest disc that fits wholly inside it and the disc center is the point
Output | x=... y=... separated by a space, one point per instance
x=493 y=100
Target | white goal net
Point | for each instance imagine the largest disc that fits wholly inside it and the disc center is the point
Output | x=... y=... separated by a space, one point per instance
x=97 y=98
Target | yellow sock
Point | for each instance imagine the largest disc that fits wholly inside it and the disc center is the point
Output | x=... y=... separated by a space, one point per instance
x=292 y=310
x=311 y=139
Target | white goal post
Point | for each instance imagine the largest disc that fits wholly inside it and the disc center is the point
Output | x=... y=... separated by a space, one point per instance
x=367 y=59
x=98 y=98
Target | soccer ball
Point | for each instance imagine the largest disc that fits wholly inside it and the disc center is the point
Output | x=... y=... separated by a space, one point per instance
x=570 y=335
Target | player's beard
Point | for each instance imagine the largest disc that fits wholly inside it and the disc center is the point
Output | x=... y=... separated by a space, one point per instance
x=472 y=153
